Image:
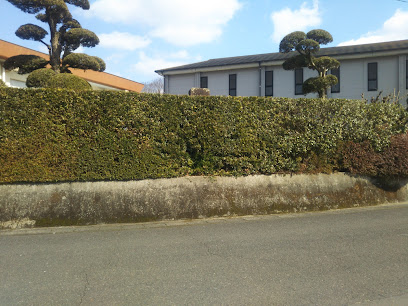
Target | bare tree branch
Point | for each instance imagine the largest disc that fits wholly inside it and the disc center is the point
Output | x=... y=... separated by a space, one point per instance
x=154 y=86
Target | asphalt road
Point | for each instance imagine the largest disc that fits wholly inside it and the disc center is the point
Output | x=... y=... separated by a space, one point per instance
x=347 y=257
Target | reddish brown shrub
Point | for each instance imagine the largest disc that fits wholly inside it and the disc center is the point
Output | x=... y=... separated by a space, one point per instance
x=394 y=160
x=360 y=158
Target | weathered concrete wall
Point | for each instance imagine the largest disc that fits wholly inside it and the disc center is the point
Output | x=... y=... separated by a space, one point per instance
x=188 y=197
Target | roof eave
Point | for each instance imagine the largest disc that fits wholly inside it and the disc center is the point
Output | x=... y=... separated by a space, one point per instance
x=345 y=56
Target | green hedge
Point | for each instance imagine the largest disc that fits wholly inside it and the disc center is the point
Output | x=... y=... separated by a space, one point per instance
x=61 y=135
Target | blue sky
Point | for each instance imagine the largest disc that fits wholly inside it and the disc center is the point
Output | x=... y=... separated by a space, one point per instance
x=140 y=36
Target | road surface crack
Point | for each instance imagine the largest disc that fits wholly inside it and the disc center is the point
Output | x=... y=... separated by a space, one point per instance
x=85 y=289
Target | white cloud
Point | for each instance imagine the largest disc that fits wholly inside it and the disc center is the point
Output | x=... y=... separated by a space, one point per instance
x=180 y=22
x=183 y=54
x=80 y=50
x=395 y=28
x=123 y=41
x=148 y=64
x=287 y=21
x=116 y=58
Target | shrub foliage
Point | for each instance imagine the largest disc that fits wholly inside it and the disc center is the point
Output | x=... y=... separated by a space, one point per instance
x=68 y=81
x=39 y=78
x=361 y=158
x=48 y=78
x=62 y=135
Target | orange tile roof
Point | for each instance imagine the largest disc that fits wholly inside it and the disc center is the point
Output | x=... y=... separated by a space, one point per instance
x=8 y=49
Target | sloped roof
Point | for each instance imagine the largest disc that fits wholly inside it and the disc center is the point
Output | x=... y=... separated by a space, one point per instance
x=269 y=57
x=8 y=49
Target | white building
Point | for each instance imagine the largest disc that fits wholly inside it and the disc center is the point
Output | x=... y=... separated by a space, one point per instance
x=364 y=70
x=98 y=80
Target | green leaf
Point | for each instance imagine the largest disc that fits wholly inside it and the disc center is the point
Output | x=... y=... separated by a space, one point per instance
x=39 y=78
x=84 y=4
x=297 y=61
x=25 y=63
x=325 y=63
x=101 y=62
x=31 y=32
x=308 y=46
x=319 y=84
x=81 y=36
x=290 y=41
x=81 y=61
x=322 y=37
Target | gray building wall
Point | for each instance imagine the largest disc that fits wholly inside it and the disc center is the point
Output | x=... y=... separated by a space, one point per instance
x=247 y=82
x=353 y=80
x=180 y=84
x=354 y=77
x=217 y=82
x=284 y=82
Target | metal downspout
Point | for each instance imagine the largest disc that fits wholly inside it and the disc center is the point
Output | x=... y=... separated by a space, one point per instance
x=260 y=79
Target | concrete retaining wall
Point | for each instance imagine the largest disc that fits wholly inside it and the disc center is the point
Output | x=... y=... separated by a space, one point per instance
x=188 y=197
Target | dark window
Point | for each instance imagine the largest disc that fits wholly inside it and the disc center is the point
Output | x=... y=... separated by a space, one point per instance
x=232 y=84
x=298 y=81
x=268 y=83
x=372 y=77
x=336 y=73
x=204 y=82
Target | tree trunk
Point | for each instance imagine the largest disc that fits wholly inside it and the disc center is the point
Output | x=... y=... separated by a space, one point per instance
x=55 y=52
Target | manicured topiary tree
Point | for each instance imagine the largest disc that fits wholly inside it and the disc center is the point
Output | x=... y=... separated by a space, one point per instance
x=307 y=46
x=68 y=81
x=48 y=78
x=25 y=63
x=66 y=35
x=39 y=78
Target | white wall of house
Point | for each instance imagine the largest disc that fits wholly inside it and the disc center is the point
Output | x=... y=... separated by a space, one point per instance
x=12 y=78
x=217 y=82
x=180 y=84
x=16 y=80
x=96 y=86
x=2 y=72
x=392 y=77
x=284 y=82
x=354 y=77
x=247 y=82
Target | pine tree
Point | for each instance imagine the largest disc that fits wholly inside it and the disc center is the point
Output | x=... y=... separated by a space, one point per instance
x=66 y=35
x=308 y=45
